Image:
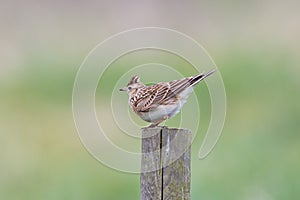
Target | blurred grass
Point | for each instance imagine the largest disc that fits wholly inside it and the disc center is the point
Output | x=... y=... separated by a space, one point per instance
x=257 y=156
x=254 y=44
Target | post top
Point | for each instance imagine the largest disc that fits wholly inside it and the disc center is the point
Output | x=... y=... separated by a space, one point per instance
x=165 y=128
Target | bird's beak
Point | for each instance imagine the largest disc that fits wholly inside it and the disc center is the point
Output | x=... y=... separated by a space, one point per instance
x=123 y=89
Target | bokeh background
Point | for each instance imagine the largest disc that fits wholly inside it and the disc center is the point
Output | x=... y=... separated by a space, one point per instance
x=256 y=45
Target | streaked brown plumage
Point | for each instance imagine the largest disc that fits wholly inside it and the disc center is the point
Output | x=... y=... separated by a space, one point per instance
x=161 y=101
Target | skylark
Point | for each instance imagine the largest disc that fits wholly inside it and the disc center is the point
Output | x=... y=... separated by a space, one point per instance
x=161 y=101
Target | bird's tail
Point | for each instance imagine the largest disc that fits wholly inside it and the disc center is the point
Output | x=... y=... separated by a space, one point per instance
x=196 y=79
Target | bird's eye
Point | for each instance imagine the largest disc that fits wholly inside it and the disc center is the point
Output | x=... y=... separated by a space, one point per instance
x=129 y=88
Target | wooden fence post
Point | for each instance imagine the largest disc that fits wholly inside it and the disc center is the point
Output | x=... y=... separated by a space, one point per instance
x=165 y=165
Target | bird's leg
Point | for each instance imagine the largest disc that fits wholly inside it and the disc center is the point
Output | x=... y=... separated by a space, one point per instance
x=155 y=124
x=158 y=122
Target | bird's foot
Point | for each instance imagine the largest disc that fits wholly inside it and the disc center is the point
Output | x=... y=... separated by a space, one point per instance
x=153 y=125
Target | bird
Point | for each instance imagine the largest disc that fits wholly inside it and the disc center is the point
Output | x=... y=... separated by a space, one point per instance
x=159 y=102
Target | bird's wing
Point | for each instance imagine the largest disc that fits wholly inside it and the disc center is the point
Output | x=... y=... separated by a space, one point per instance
x=178 y=86
x=161 y=94
x=164 y=93
x=151 y=97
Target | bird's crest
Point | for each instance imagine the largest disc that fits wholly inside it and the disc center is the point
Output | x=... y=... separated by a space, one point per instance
x=134 y=79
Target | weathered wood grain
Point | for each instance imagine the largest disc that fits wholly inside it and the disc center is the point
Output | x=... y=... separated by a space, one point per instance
x=165 y=164
x=176 y=164
x=151 y=178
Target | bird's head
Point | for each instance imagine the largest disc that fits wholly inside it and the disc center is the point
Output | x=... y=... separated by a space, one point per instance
x=133 y=84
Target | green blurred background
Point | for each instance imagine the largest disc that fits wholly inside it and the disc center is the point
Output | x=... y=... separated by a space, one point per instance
x=255 y=44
